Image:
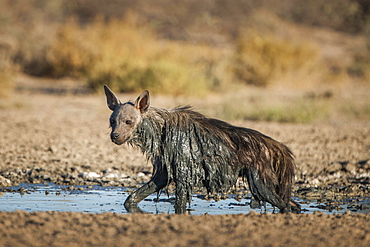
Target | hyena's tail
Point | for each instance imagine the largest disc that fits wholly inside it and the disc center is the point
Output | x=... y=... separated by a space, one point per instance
x=264 y=191
x=284 y=168
x=272 y=181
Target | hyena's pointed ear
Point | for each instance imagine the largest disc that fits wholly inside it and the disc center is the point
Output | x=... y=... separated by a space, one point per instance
x=112 y=100
x=143 y=101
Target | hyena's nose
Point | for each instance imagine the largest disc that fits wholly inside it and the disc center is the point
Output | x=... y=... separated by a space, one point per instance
x=114 y=136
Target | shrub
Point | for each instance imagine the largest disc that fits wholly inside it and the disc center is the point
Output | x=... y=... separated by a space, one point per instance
x=5 y=84
x=261 y=59
x=360 y=66
x=6 y=68
x=129 y=58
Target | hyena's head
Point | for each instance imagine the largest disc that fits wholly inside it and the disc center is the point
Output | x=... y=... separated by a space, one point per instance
x=125 y=117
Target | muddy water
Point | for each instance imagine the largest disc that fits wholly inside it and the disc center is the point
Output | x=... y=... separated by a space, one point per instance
x=98 y=199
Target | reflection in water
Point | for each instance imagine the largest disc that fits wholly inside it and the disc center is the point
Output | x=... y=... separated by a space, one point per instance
x=98 y=199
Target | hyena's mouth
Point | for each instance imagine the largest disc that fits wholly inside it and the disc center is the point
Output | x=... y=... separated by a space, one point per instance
x=118 y=142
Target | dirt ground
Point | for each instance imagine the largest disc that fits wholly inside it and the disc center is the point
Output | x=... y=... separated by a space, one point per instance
x=78 y=229
x=54 y=136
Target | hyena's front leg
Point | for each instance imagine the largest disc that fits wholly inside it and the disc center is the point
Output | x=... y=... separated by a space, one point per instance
x=181 y=198
x=158 y=182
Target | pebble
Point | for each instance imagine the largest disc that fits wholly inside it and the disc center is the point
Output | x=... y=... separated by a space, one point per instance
x=4 y=182
x=112 y=175
x=140 y=174
x=89 y=175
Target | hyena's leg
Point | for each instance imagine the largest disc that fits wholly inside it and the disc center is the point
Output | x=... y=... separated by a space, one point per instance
x=182 y=175
x=156 y=183
x=181 y=198
x=265 y=192
x=295 y=207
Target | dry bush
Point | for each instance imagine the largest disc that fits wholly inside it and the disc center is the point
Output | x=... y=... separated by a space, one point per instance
x=261 y=59
x=129 y=57
x=360 y=67
x=7 y=67
x=351 y=16
x=25 y=33
x=5 y=79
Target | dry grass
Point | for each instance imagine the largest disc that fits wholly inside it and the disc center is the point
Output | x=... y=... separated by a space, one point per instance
x=5 y=84
x=348 y=104
x=272 y=106
x=143 y=50
x=360 y=67
x=262 y=59
x=6 y=68
x=195 y=48
x=129 y=58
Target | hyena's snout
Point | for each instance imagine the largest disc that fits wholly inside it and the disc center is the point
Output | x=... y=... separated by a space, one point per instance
x=114 y=136
x=117 y=138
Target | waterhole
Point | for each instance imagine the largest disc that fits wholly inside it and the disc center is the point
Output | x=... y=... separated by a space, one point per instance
x=99 y=199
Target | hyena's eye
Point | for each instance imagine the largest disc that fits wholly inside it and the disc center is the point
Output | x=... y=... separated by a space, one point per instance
x=128 y=122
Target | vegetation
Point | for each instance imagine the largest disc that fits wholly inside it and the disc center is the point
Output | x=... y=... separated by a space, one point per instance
x=261 y=59
x=191 y=47
x=6 y=70
x=131 y=59
x=258 y=106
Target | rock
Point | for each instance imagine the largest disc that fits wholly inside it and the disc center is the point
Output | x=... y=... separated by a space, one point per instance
x=140 y=174
x=112 y=175
x=4 y=182
x=89 y=175
x=109 y=170
x=350 y=167
x=333 y=167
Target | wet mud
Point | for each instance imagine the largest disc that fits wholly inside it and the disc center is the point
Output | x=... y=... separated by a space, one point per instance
x=98 y=199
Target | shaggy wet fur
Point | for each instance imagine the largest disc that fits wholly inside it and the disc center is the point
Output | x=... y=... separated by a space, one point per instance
x=192 y=151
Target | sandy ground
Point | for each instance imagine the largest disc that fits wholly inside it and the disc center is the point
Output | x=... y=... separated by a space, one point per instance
x=64 y=139
x=77 y=229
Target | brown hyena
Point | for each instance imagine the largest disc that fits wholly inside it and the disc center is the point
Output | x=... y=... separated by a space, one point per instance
x=191 y=150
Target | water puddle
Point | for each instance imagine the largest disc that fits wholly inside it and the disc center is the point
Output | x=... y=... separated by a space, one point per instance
x=98 y=199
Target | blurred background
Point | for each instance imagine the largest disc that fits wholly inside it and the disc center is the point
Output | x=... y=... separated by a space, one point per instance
x=270 y=60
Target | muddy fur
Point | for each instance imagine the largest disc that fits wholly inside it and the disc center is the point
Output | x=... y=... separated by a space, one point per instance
x=193 y=151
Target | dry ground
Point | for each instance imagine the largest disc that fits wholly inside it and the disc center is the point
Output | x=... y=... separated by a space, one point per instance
x=78 y=229
x=64 y=138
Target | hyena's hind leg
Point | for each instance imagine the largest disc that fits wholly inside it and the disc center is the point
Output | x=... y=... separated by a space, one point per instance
x=294 y=206
x=156 y=183
x=263 y=192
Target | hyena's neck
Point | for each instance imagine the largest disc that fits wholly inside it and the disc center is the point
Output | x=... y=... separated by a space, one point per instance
x=148 y=135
